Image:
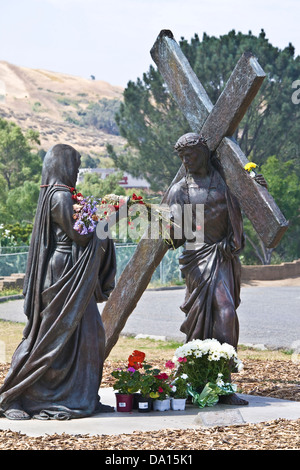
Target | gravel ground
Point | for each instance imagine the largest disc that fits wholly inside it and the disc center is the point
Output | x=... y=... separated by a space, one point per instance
x=274 y=378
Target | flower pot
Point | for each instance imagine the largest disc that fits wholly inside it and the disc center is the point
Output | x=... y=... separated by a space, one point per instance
x=124 y=402
x=178 y=404
x=161 y=405
x=144 y=404
x=135 y=403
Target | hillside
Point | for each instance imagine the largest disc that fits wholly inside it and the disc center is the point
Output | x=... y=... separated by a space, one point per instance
x=42 y=100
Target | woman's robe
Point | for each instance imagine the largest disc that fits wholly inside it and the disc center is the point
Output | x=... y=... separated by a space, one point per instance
x=57 y=368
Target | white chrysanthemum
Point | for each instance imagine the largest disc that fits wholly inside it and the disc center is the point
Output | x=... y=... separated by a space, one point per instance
x=220 y=382
x=215 y=356
x=212 y=347
x=198 y=354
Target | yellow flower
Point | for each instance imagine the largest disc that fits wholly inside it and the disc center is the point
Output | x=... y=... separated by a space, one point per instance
x=249 y=166
x=154 y=395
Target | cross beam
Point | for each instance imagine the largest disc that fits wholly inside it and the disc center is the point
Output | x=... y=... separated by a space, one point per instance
x=218 y=123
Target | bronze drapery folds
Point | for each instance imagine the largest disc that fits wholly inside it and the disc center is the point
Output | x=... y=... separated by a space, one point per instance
x=57 y=368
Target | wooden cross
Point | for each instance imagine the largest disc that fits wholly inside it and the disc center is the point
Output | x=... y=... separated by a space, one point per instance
x=217 y=123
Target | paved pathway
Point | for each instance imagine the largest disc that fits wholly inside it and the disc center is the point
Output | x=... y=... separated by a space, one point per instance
x=268 y=316
x=260 y=409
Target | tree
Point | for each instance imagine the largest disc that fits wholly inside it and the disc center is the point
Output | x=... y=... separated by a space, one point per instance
x=18 y=161
x=89 y=162
x=94 y=185
x=151 y=122
x=283 y=184
x=101 y=115
x=21 y=203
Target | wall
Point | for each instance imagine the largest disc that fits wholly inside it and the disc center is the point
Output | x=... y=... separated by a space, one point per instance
x=272 y=272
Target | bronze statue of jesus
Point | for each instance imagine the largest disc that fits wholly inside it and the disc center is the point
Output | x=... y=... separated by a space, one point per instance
x=212 y=269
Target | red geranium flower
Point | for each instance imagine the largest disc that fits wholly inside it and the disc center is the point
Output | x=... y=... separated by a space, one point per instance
x=136 y=198
x=162 y=376
x=136 y=359
x=170 y=364
x=182 y=359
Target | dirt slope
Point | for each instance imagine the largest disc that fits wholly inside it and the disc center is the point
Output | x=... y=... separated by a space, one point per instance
x=42 y=100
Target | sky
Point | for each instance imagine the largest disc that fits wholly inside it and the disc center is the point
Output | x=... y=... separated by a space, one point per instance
x=111 y=39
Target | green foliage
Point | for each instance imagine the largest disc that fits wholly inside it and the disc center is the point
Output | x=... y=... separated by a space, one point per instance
x=20 y=173
x=151 y=123
x=21 y=233
x=36 y=107
x=270 y=124
x=100 y=115
x=93 y=185
x=89 y=162
x=283 y=183
x=22 y=201
x=18 y=161
x=126 y=382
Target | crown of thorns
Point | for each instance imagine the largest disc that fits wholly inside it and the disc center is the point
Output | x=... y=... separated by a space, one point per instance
x=190 y=140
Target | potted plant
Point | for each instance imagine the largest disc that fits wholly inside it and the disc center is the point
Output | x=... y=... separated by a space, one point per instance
x=162 y=393
x=127 y=382
x=208 y=365
x=179 y=392
x=145 y=373
x=179 y=387
x=147 y=388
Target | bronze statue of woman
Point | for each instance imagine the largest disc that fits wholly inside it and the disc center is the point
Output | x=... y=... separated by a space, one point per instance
x=56 y=370
x=212 y=269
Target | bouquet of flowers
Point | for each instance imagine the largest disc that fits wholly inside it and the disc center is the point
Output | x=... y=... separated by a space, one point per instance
x=88 y=211
x=207 y=364
x=85 y=213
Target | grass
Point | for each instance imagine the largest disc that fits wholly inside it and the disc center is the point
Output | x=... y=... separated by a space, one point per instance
x=11 y=335
x=10 y=291
x=156 y=349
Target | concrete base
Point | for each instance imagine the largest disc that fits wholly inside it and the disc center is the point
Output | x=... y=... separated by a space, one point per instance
x=260 y=409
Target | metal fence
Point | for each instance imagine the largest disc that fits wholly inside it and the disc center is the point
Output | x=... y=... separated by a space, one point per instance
x=13 y=260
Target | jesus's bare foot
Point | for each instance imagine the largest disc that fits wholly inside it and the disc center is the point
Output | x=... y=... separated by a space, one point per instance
x=232 y=400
